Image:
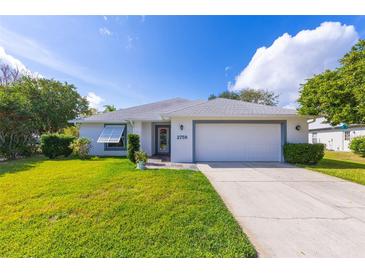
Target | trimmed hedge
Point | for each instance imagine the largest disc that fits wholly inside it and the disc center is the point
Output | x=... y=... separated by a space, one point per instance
x=54 y=145
x=303 y=153
x=357 y=145
x=133 y=146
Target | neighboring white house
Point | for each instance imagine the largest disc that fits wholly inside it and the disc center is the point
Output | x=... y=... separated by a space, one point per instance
x=335 y=138
x=191 y=131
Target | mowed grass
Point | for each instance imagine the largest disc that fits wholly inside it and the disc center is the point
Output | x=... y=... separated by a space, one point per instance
x=104 y=207
x=345 y=165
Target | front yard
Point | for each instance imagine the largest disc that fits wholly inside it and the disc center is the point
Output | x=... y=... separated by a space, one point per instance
x=103 y=207
x=345 y=165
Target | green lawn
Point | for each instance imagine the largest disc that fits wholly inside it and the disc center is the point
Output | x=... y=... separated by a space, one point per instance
x=103 y=207
x=345 y=165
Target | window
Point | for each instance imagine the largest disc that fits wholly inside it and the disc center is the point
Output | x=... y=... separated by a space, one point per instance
x=314 y=138
x=347 y=135
x=113 y=137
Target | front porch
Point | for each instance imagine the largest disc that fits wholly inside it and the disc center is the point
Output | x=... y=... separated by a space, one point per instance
x=155 y=137
x=163 y=161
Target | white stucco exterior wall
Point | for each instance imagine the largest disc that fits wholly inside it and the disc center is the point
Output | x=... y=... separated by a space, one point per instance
x=92 y=132
x=295 y=136
x=182 y=149
x=334 y=139
x=146 y=138
x=137 y=127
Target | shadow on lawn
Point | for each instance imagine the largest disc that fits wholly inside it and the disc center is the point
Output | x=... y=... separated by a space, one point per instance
x=337 y=164
x=13 y=166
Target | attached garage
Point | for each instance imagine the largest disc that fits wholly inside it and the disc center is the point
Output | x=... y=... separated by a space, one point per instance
x=238 y=141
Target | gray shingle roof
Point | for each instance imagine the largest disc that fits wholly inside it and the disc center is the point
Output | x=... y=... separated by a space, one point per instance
x=230 y=108
x=179 y=107
x=146 y=112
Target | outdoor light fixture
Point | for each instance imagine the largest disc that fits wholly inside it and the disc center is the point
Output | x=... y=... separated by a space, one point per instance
x=181 y=127
x=298 y=127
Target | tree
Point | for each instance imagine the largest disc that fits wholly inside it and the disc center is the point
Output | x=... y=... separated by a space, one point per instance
x=32 y=106
x=109 y=108
x=212 y=96
x=8 y=75
x=16 y=123
x=53 y=102
x=229 y=95
x=338 y=95
x=226 y=94
x=91 y=111
x=259 y=96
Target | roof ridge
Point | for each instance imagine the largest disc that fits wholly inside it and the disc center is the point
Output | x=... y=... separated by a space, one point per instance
x=249 y=103
x=156 y=102
x=203 y=102
x=137 y=106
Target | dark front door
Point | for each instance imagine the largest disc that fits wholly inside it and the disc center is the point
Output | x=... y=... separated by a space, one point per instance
x=163 y=139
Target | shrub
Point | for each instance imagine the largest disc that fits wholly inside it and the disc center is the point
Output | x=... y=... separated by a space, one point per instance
x=133 y=146
x=71 y=130
x=140 y=156
x=303 y=153
x=54 y=145
x=357 y=145
x=32 y=147
x=81 y=147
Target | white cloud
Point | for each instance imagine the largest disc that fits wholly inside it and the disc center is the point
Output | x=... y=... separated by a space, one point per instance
x=226 y=70
x=30 y=49
x=94 y=100
x=290 y=60
x=16 y=64
x=105 y=18
x=105 y=31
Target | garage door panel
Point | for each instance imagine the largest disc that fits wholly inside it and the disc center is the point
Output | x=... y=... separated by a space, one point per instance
x=237 y=142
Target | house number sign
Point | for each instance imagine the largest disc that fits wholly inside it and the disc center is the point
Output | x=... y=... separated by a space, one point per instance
x=182 y=137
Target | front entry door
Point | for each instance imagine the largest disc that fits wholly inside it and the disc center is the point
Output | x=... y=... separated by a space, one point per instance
x=163 y=140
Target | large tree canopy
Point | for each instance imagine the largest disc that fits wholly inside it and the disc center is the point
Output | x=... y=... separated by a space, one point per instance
x=32 y=106
x=257 y=96
x=338 y=95
x=53 y=103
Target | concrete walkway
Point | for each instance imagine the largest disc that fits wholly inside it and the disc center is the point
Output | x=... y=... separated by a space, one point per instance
x=162 y=163
x=292 y=212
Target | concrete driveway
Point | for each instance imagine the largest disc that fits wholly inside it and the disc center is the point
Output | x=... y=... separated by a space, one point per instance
x=292 y=212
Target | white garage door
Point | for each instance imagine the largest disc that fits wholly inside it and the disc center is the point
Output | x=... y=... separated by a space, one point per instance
x=237 y=142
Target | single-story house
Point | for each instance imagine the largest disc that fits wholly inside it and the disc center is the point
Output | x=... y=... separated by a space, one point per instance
x=198 y=130
x=335 y=138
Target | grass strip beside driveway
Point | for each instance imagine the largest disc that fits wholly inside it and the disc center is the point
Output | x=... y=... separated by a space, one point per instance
x=345 y=165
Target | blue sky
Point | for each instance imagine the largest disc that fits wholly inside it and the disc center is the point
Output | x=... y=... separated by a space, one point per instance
x=130 y=60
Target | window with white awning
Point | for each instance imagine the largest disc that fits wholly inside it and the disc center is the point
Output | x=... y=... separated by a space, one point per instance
x=111 y=134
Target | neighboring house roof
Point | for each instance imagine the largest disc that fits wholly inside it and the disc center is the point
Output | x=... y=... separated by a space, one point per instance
x=320 y=124
x=179 y=107
x=230 y=108
x=146 y=112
